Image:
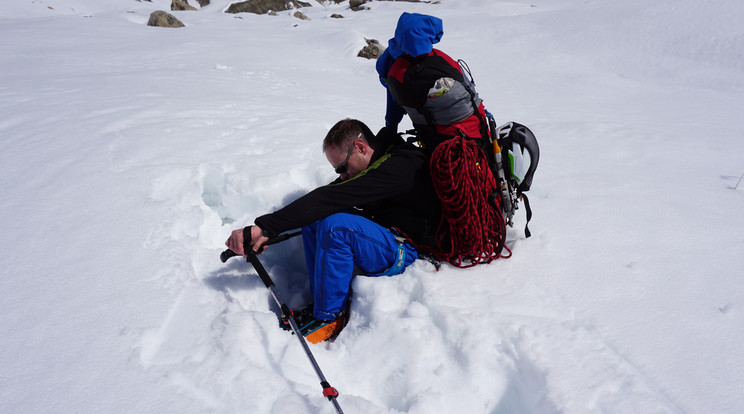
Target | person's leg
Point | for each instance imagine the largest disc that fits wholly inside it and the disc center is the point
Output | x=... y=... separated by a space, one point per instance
x=334 y=245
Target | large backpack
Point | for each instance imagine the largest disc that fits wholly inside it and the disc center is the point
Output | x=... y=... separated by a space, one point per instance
x=452 y=107
x=478 y=203
x=476 y=166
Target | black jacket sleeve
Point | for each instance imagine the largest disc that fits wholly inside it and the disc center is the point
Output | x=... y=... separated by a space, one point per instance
x=393 y=176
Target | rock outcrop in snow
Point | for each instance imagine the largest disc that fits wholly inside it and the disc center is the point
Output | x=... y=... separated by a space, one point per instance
x=160 y=18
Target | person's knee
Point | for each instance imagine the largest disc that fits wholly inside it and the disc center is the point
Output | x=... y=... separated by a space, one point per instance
x=335 y=221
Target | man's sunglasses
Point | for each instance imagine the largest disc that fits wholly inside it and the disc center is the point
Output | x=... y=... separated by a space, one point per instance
x=341 y=169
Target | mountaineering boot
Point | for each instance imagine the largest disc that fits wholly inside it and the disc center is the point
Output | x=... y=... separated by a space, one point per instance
x=317 y=330
x=302 y=317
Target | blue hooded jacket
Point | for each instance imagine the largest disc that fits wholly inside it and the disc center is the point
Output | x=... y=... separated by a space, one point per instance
x=415 y=35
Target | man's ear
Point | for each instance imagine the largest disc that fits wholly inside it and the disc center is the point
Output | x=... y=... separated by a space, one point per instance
x=362 y=146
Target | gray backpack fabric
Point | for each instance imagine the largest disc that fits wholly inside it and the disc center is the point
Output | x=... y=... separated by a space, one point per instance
x=449 y=102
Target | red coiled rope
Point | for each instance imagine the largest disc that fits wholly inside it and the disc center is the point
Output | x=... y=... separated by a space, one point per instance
x=472 y=229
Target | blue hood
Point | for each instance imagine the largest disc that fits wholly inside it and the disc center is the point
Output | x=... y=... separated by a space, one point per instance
x=415 y=35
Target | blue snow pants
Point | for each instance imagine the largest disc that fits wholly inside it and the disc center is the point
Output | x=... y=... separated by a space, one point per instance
x=334 y=245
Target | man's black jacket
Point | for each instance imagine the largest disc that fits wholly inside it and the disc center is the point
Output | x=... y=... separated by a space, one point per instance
x=394 y=191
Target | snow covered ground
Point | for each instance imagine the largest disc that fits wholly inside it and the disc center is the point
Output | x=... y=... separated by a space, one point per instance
x=128 y=153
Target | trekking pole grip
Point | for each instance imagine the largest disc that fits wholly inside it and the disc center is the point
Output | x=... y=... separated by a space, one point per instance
x=224 y=256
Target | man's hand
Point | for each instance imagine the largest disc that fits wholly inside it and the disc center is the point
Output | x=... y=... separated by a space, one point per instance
x=236 y=241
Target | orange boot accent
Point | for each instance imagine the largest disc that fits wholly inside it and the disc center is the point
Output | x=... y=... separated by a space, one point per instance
x=327 y=331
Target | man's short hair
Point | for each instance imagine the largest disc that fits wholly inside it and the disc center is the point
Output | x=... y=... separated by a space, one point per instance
x=345 y=132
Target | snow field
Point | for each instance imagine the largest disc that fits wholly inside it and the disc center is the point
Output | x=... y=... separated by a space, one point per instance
x=129 y=153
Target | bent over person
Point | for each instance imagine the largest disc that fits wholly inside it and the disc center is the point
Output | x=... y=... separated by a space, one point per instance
x=382 y=201
x=428 y=85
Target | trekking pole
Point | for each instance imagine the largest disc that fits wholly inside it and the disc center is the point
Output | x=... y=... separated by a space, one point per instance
x=328 y=391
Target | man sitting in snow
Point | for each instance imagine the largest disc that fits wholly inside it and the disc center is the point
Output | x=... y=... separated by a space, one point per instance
x=383 y=192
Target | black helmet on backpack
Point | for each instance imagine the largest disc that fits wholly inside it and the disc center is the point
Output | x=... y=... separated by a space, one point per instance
x=522 y=152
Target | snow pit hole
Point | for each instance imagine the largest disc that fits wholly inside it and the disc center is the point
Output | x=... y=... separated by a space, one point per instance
x=213 y=191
